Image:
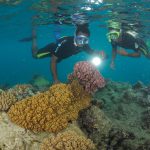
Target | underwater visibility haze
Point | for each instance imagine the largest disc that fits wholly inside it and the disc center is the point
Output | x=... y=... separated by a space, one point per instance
x=92 y=107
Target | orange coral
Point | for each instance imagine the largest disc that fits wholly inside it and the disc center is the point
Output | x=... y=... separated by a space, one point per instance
x=69 y=140
x=48 y=111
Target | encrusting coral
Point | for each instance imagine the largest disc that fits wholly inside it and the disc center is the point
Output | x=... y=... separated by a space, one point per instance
x=68 y=140
x=10 y=96
x=49 y=111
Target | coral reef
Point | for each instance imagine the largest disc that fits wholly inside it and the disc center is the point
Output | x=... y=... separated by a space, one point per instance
x=6 y=100
x=51 y=110
x=145 y=118
x=118 y=118
x=12 y=95
x=13 y=137
x=127 y=107
x=21 y=91
x=87 y=76
x=101 y=130
x=95 y=125
x=68 y=140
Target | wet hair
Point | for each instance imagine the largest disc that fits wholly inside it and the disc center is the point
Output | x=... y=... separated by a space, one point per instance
x=83 y=28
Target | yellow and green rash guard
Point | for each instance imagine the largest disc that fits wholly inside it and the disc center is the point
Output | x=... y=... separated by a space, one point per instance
x=129 y=42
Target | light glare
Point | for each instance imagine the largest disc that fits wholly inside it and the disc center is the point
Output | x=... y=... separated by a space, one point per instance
x=96 y=61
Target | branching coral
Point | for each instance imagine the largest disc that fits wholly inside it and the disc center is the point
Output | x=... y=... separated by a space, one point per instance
x=87 y=76
x=49 y=111
x=67 y=141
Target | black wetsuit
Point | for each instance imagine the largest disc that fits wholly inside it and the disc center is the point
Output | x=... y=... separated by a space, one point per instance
x=62 y=49
x=128 y=41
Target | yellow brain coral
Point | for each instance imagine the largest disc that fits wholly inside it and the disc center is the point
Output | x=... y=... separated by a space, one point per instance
x=49 y=111
x=69 y=140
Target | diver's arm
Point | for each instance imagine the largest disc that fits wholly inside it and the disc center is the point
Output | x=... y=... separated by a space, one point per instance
x=125 y=53
x=135 y=54
x=34 y=43
x=54 y=68
x=114 y=54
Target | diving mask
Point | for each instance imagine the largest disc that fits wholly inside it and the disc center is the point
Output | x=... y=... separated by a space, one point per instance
x=113 y=35
x=81 y=40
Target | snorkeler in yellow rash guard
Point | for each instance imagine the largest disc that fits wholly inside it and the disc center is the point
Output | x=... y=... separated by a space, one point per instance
x=64 y=48
x=127 y=40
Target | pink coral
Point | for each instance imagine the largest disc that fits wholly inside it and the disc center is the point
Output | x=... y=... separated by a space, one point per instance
x=88 y=76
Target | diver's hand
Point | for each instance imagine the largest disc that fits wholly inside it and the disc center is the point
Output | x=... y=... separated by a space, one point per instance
x=122 y=52
x=102 y=54
x=112 y=65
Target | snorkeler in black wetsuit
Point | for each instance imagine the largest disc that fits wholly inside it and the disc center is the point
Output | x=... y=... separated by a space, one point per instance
x=64 y=48
x=127 y=40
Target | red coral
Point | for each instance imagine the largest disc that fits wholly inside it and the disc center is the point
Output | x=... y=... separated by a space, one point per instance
x=87 y=76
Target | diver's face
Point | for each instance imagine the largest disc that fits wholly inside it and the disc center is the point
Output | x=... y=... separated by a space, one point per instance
x=81 y=39
x=114 y=34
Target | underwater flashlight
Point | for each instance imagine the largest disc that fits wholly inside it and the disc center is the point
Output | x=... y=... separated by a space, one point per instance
x=96 y=61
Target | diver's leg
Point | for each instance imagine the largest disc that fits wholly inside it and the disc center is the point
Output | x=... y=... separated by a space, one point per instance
x=43 y=52
x=34 y=42
x=39 y=53
x=46 y=51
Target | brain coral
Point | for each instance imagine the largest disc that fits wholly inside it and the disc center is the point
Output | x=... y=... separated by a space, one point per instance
x=49 y=111
x=87 y=76
x=68 y=140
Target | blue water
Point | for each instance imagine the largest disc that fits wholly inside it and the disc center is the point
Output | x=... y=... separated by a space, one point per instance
x=18 y=66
